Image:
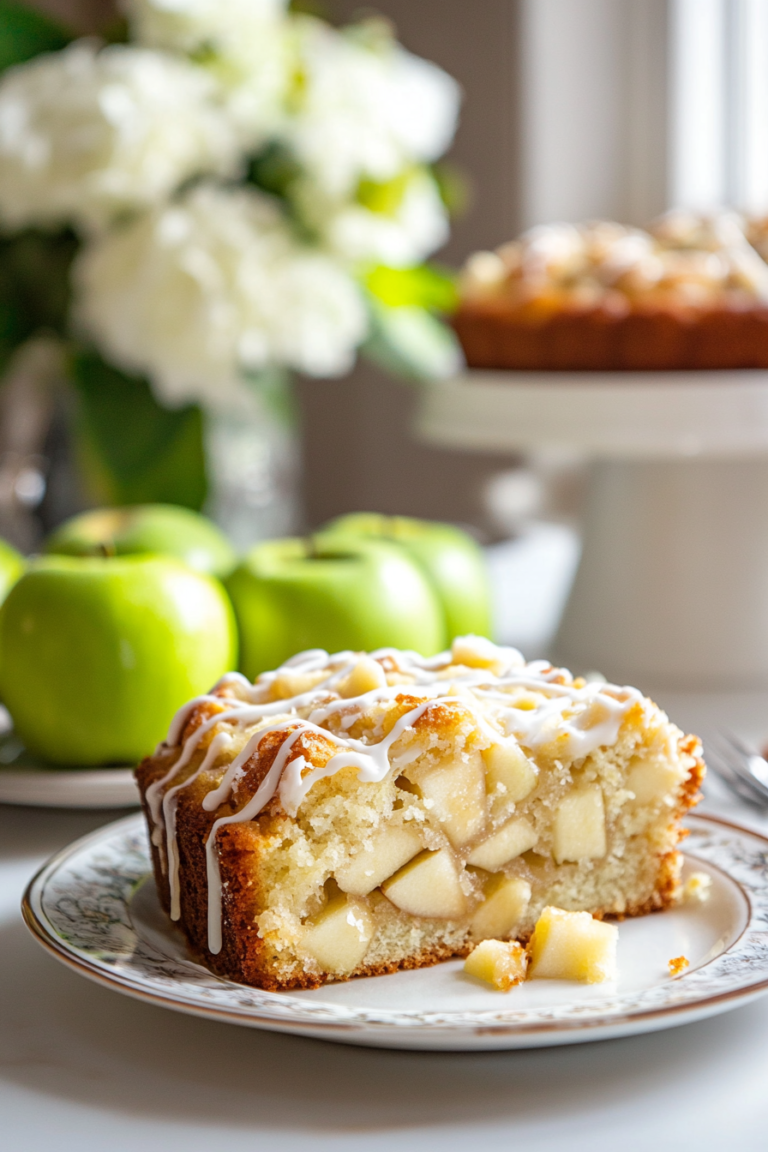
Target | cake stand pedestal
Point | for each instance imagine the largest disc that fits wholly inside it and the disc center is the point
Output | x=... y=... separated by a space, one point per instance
x=672 y=588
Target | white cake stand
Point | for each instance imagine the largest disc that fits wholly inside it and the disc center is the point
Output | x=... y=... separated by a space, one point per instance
x=672 y=589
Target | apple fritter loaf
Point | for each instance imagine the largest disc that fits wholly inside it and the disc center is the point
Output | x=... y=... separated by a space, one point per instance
x=354 y=814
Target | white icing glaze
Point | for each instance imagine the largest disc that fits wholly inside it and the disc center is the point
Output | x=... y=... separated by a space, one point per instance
x=220 y=742
x=583 y=718
x=262 y=796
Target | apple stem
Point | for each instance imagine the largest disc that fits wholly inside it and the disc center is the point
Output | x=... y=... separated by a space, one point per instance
x=311 y=548
x=107 y=549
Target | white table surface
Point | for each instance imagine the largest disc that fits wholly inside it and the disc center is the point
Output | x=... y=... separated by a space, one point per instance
x=86 y=1069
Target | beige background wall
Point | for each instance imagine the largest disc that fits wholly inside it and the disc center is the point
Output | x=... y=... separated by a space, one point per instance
x=358 y=450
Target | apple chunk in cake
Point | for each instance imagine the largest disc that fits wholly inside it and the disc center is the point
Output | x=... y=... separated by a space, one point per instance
x=355 y=814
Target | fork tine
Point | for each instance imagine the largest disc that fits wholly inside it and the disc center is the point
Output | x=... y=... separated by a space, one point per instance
x=731 y=740
x=754 y=764
x=732 y=766
x=723 y=761
x=739 y=787
x=723 y=771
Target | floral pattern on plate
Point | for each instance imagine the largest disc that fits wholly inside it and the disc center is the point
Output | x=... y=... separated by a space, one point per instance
x=91 y=907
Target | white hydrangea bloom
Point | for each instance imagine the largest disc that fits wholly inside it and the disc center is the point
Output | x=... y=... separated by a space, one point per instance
x=423 y=107
x=198 y=292
x=188 y=25
x=85 y=134
x=242 y=44
x=399 y=233
x=365 y=107
x=253 y=72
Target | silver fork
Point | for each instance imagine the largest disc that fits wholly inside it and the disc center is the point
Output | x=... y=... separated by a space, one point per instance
x=743 y=769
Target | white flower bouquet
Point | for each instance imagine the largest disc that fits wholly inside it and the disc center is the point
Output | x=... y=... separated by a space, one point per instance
x=236 y=188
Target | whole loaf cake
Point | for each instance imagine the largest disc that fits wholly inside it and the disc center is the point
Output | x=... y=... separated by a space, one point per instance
x=691 y=292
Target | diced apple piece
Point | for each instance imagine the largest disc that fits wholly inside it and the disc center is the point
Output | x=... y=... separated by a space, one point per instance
x=476 y=652
x=572 y=946
x=455 y=795
x=366 y=675
x=579 y=828
x=510 y=841
x=389 y=851
x=499 y=963
x=650 y=779
x=288 y=684
x=339 y=937
x=509 y=771
x=429 y=887
x=505 y=904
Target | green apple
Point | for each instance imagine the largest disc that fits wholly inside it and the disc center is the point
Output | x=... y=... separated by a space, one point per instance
x=12 y=564
x=294 y=594
x=97 y=654
x=163 y=528
x=451 y=559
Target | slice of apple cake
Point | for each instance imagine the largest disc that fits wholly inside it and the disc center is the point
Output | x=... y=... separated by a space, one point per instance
x=353 y=814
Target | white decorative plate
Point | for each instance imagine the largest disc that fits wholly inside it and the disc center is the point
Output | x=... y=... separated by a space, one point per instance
x=27 y=780
x=94 y=907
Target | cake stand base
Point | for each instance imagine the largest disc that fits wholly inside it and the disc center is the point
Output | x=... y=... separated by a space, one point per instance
x=672 y=588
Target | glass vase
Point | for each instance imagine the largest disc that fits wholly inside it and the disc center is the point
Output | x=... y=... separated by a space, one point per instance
x=253 y=462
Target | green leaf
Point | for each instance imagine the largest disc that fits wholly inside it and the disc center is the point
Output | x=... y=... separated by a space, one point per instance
x=384 y=196
x=274 y=170
x=411 y=342
x=34 y=286
x=25 y=33
x=317 y=8
x=13 y=330
x=424 y=286
x=454 y=186
x=133 y=450
x=117 y=31
x=35 y=269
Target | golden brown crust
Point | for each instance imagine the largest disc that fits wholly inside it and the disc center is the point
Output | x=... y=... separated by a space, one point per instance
x=690 y=795
x=265 y=978
x=150 y=769
x=666 y=892
x=497 y=335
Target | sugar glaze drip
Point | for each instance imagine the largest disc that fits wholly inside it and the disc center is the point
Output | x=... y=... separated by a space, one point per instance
x=584 y=717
